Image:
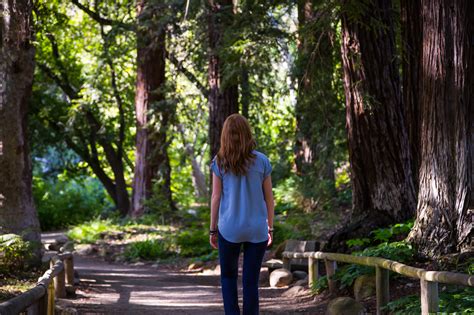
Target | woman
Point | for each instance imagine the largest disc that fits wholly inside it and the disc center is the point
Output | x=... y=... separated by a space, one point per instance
x=242 y=210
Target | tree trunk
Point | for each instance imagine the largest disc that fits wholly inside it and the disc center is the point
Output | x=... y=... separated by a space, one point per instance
x=445 y=213
x=316 y=108
x=151 y=158
x=18 y=213
x=411 y=62
x=223 y=100
x=382 y=182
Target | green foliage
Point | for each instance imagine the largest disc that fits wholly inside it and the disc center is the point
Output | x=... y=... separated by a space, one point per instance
x=394 y=232
x=14 y=253
x=320 y=285
x=397 y=251
x=68 y=201
x=386 y=234
x=150 y=249
x=193 y=242
x=458 y=301
x=89 y=232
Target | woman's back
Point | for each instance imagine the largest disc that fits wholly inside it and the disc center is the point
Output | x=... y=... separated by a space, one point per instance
x=242 y=209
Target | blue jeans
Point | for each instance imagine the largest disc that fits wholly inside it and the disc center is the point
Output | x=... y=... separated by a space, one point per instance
x=229 y=259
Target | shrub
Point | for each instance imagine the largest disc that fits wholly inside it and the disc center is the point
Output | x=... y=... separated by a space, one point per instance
x=193 y=242
x=150 y=249
x=61 y=203
x=89 y=232
x=14 y=253
x=459 y=301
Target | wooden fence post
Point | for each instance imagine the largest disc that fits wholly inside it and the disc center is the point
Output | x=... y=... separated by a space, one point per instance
x=59 y=281
x=429 y=297
x=382 y=288
x=51 y=298
x=69 y=267
x=330 y=271
x=313 y=271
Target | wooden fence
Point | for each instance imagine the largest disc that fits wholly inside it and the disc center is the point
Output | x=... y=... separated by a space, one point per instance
x=428 y=279
x=40 y=299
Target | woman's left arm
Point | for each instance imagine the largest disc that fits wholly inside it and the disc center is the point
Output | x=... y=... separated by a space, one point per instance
x=215 y=201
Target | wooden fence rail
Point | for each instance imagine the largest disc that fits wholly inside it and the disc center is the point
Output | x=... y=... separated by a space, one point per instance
x=40 y=299
x=428 y=279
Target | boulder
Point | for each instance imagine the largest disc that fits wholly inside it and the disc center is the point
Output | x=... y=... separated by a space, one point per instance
x=280 y=278
x=345 y=306
x=294 y=291
x=299 y=275
x=196 y=265
x=302 y=282
x=364 y=286
x=67 y=247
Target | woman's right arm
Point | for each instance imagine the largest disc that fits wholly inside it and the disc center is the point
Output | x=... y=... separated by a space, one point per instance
x=268 y=195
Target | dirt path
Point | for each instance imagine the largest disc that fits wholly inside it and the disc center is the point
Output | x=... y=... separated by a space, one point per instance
x=116 y=288
x=113 y=288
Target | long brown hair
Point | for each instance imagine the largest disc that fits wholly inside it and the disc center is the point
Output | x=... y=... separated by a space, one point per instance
x=237 y=144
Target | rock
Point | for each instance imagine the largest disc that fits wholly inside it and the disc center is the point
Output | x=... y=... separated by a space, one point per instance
x=294 y=291
x=156 y=265
x=298 y=275
x=196 y=265
x=139 y=263
x=302 y=282
x=364 y=286
x=86 y=249
x=280 y=278
x=280 y=249
x=67 y=247
x=345 y=306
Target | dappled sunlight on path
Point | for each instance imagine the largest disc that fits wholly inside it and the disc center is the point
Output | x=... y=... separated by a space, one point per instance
x=114 y=288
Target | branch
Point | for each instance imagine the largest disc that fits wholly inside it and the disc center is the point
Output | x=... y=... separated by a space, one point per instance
x=188 y=74
x=101 y=20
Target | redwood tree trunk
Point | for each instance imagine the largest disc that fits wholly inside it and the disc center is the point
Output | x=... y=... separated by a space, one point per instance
x=411 y=63
x=223 y=100
x=445 y=213
x=151 y=161
x=17 y=211
x=382 y=181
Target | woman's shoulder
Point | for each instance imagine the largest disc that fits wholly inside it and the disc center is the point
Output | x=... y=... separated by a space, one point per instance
x=260 y=155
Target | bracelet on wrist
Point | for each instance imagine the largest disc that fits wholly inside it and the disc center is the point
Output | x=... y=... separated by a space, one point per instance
x=212 y=232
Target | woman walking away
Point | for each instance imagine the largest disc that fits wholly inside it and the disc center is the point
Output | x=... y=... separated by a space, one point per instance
x=242 y=210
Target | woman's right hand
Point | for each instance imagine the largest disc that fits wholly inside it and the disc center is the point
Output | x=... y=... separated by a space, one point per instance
x=213 y=241
x=270 y=239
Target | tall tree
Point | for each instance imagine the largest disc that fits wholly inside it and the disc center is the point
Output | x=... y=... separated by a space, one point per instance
x=223 y=88
x=153 y=113
x=445 y=213
x=317 y=108
x=17 y=211
x=98 y=138
x=411 y=65
x=382 y=182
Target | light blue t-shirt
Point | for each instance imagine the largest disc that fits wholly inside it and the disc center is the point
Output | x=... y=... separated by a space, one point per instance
x=242 y=209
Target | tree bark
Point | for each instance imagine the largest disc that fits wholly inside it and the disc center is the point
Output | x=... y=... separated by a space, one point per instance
x=445 y=213
x=223 y=100
x=411 y=65
x=18 y=213
x=151 y=158
x=382 y=181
